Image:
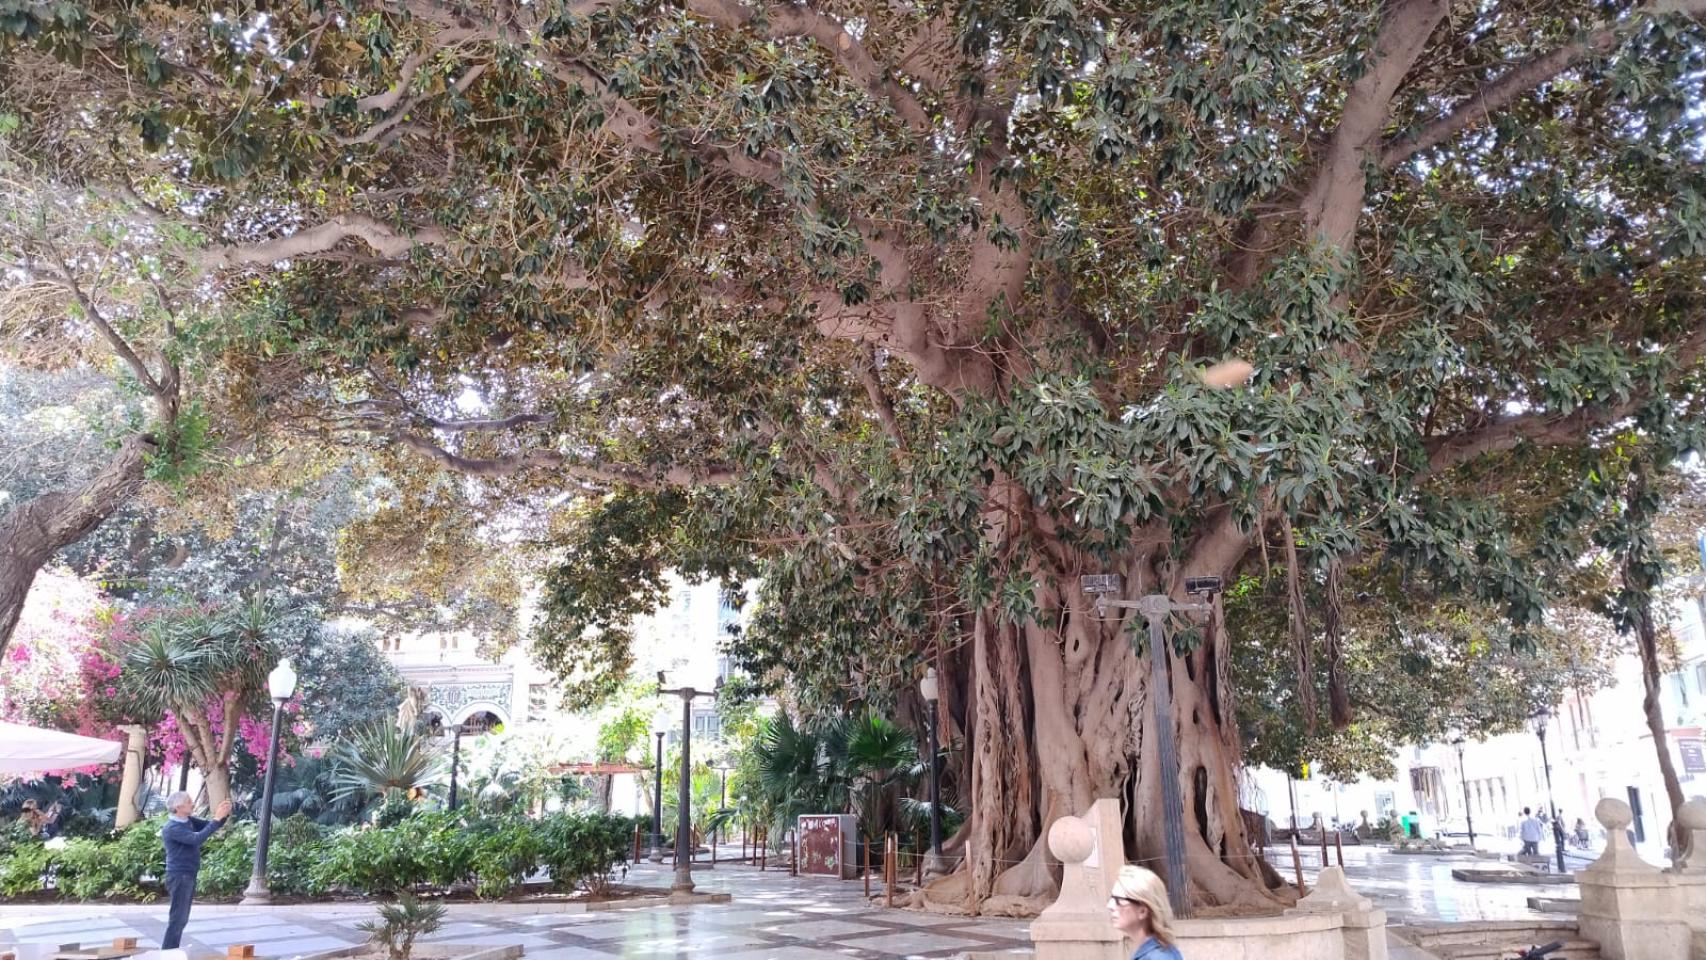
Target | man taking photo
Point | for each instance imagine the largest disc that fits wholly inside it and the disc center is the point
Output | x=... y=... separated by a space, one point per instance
x=184 y=835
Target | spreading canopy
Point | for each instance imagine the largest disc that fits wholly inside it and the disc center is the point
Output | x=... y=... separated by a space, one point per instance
x=899 y=305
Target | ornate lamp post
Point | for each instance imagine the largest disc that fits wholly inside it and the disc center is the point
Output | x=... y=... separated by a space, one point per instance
x=657 y=804
x=724 y=769
x=281 y=684
x=1468 y=815
x=455 y=761
x=931 y=691
x=1155 y=608
x=1539 y=720
x=684 y=806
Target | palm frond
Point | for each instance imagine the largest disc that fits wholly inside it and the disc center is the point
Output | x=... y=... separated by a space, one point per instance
x=382 y=760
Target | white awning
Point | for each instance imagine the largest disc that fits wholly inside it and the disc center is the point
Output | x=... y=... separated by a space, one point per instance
x=33 y=750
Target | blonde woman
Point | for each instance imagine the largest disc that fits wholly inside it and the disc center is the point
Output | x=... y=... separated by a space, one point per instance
x=1139 y=909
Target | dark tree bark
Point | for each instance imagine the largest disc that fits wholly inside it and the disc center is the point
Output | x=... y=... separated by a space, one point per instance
x=30 y=534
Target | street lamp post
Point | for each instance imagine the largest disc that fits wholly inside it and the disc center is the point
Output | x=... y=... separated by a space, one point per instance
x=281 y=684
x=1540 y=717
x=657 y=804
x=1155 y=609
x=1468 y=815
x=684 y=813
x=723 y=804
x=932 y=693
x=455 y=761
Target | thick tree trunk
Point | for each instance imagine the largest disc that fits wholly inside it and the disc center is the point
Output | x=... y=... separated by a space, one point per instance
x=32 y=533
x=1061 y=715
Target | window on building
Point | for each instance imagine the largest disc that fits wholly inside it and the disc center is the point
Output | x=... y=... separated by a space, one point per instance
x=538 y=701
x=707 y=725
x=1700 y=678
x=1681 y=684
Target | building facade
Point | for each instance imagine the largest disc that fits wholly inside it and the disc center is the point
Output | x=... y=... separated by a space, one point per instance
x=1598 y=745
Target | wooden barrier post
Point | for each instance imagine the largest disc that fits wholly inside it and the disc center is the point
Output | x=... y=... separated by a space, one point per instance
x=637 y=843
x=1297 y=864
x=794 y=852
x=918 y=869
x=1339 y=842
x=889 y=846
x=763 y=848
x=1324 y=860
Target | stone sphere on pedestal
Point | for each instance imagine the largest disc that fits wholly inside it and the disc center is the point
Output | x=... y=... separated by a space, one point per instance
x=1071 y=840
x=1613 y=814
x=1692 y=814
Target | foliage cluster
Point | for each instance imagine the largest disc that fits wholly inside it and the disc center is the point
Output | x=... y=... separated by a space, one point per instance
x=422 y=851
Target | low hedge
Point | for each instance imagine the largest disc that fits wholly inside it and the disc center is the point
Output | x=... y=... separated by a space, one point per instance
x=492 y=855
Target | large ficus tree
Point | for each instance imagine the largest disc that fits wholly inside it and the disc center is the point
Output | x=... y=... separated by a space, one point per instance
x=899 y=306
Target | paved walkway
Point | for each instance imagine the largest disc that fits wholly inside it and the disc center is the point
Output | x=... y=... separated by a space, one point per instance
x=1415 y=888
x=774 y=917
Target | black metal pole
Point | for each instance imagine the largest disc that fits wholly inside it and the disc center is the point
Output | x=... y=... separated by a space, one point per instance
x=1155 y=608
x=724 y=805
x=455 y=761
x=1551 y=799
x=258 y=892
x=1468 y=815
x=657 y=804
x=935 y=787
x=684 y=804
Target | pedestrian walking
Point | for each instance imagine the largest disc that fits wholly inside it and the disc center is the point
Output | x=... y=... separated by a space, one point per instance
x=1581 y=833
x=1139 y=909
x=1532 y=832
x=183 y=836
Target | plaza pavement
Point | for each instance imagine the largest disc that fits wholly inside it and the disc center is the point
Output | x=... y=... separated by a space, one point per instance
x=773 y=917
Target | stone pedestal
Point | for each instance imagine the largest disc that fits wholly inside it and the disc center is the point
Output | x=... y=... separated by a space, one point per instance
x=1363 y=927
x=1091 y=851
x=1632 y=908
x=130 y=783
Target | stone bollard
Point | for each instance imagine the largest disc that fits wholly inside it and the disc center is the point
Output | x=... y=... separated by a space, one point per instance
x=1076 y=926
x=1692 y=856
x=1690 y=872
x=1364 y=929
x=1632 y=908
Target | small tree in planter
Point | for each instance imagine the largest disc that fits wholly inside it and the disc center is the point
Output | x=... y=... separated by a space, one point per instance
x=401 y=922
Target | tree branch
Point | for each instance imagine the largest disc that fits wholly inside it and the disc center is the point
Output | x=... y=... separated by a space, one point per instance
x=867 y=368
x=498 y=424
x=1543 y=429
x=781 y=20
x=507 y=466
x=1524 y=77
x=322 y=238
x=1334 y=201
x=164 y=401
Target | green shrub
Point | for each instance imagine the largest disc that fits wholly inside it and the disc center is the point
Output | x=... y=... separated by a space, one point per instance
x=86 y=871
x=503 y=851
x=297 y=831
x=227 y=861
x=581 y=850
x=23 y=870
x=137 y=852
x=427 y=850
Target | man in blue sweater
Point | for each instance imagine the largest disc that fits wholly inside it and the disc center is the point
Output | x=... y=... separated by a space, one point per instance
x=184 y=835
